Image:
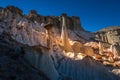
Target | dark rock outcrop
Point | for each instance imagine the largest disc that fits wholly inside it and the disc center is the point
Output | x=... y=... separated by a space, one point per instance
x=13 y=9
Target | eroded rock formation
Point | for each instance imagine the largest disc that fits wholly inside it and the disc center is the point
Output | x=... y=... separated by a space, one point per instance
x=37 y=41
x=72 y=22
x=64 y=36
x=110 y=34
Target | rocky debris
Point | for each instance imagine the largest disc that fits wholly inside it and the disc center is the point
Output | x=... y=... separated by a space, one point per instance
x=116 y=71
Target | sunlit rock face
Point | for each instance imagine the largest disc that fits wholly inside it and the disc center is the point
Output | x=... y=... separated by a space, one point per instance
x=43 y=47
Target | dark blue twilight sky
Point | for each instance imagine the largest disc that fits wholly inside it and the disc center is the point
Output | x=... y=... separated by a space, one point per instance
x=94 y=14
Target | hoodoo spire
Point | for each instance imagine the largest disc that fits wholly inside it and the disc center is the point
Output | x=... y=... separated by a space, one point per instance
x=64 y=36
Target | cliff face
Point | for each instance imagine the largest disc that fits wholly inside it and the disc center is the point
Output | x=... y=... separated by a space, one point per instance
x=12 y=12
x=110 y=34
x=72 y=22
x=30 y=29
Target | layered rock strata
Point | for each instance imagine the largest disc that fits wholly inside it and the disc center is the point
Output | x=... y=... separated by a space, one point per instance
x=110 y=34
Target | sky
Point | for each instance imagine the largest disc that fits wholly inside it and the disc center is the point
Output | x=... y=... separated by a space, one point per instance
x=94 y=14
